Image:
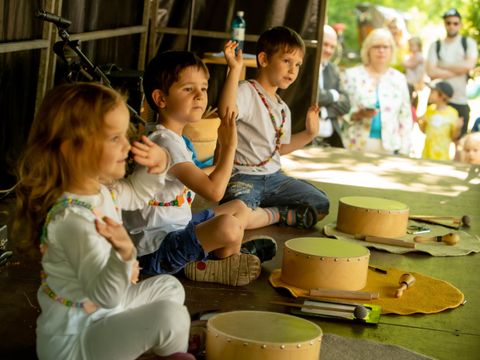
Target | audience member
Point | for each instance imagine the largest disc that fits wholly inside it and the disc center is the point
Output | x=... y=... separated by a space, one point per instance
x=332 y=98
x=471 y=148
x=440 y=123
x=451 y=59
x=380 y=119
x=414 y=64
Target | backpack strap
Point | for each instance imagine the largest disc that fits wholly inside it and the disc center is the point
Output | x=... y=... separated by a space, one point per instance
x=437 y=45
x=464 y=44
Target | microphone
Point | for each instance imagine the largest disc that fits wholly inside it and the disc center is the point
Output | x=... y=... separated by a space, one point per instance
x=57 y=20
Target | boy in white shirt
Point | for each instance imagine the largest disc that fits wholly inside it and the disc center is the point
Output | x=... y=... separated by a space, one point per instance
x=167 y=237
x=264 y=134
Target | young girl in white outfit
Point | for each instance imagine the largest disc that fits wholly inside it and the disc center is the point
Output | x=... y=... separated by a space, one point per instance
x=92 y=306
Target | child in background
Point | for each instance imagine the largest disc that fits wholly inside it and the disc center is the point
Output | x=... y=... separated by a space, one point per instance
x=414 y=64
x=264 y=133
x=91 y=304
x=167 y=236
x=440 y=123
x=471 y=148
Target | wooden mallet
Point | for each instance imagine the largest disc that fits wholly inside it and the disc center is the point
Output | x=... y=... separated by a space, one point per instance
x=449 y=239
x=406 y=281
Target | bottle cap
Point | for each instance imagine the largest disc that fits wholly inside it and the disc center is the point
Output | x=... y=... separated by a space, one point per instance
x=240 y=13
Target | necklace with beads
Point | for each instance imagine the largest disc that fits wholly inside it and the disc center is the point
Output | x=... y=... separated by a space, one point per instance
x=178 y=201
x=87 y=305
x=278 y=130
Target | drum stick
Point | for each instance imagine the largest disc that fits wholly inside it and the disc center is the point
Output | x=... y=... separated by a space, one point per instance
x=344 y=312
x=449 y=239
x=344 y=294
x=386 y=241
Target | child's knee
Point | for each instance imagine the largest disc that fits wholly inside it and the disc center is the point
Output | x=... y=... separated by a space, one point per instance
x=229 y=229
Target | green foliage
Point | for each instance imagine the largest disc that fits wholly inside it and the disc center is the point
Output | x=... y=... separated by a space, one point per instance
x=422 y=13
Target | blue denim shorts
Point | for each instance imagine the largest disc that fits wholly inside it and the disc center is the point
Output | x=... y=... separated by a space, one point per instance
x=274 y=190
x=177 y=249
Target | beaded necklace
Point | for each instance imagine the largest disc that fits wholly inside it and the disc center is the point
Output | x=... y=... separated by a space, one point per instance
x=179 y=200
x=88 y=306
x=278 y=130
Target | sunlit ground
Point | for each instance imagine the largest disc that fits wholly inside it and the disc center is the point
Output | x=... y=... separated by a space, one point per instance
x=339 y=166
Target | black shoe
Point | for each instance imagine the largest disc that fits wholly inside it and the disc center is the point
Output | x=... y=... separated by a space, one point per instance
x=264 y=247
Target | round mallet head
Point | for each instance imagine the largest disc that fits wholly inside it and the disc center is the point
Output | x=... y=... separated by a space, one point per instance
x=451 y=239
x=466 y=220
x=360 y=312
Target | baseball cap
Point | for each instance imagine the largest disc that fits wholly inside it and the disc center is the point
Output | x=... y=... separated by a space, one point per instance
x=451 y=12
x=443 y=87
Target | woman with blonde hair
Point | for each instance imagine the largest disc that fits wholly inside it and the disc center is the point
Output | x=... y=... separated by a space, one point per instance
x=380 y=118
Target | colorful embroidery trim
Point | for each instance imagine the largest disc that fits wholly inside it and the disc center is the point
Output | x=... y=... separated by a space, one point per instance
x=59 y=206
x=278 y=130
x=179 y=200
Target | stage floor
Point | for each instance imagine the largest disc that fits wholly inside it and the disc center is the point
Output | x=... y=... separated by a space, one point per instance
x=427 y=187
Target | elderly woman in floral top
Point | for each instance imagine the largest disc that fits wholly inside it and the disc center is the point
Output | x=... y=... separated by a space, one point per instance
x=380 y=119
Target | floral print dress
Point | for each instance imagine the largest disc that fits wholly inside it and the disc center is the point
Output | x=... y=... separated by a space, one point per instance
x=395 y=109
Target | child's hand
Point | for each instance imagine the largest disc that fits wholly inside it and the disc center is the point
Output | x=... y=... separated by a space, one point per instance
x=150 y=155
x=312 y=123
x=135 y=272
x=233 y=61
x=227 y=131
x=116 y=235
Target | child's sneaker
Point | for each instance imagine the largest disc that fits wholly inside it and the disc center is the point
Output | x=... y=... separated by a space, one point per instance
x=262 y=246
x=303 y=216
x=235 y=270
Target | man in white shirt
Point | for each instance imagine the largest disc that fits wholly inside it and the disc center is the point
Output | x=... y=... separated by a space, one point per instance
x=451 y=59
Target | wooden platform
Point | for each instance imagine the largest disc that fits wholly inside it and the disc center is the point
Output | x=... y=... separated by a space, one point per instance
x=435 y=188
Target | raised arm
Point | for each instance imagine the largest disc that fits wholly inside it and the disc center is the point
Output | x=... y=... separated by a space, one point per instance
x=212 y=187
x=228 y=96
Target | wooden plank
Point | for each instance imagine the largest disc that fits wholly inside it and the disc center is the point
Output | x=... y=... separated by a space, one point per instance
x=110 y=33
x=23 y=45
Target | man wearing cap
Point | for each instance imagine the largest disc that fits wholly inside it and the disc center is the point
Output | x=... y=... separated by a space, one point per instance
x=332 y=99
x=451 y=59
x=440 y=123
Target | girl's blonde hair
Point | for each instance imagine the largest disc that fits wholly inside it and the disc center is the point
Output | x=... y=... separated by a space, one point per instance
x=70 y=114
x=373 y=38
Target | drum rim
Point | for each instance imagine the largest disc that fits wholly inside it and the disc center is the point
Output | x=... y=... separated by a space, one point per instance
x=324 y=257
x=285 y=344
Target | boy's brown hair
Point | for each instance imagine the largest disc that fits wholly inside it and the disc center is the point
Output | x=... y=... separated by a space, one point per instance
x=164 y=69
x=279 y=38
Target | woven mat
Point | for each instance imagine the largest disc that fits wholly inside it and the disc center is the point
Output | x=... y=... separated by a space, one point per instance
x=336 y=347
x=468 y=243
x=417 y=299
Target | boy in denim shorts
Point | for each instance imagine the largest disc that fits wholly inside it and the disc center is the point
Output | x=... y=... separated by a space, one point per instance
x=264 y=134
x=168 y=238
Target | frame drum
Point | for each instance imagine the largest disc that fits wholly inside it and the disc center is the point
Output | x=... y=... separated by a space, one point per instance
x=363 y=215
x=261 y=335
x=312 y=263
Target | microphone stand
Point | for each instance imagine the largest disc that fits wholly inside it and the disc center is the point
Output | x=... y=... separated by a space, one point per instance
x=94 y=71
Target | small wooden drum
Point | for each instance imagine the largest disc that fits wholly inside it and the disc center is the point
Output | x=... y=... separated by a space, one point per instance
x=311 y=263
x=362 y=215
x=261 y=335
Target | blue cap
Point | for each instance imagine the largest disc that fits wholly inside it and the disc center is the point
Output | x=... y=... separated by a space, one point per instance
x=452 y=12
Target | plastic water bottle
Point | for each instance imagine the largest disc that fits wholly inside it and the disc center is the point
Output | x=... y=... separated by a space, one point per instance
x=238 y=29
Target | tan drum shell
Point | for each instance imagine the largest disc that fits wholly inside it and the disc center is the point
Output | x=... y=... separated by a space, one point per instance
x=361 y=220
x=254 y=335
x=307 y=271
